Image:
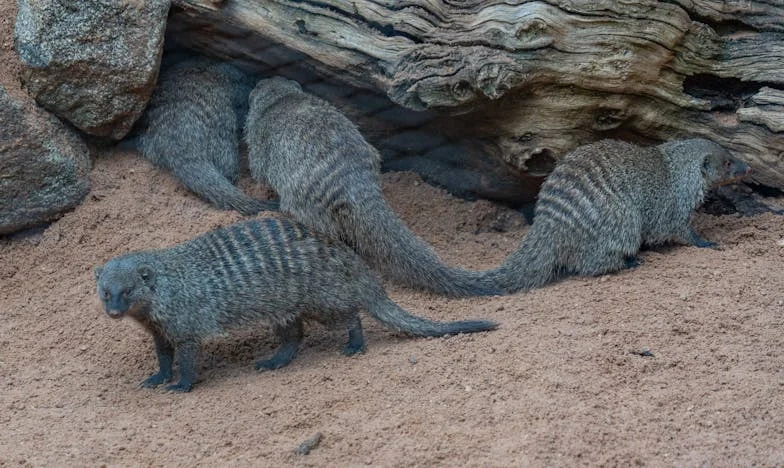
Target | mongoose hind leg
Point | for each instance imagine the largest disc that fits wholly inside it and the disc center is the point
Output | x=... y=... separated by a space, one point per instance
x=187 y=353
x=697 y=241
x=601 y=262
x=631 y=261
x=356 y=340
x=290 y=337
x=165 y=352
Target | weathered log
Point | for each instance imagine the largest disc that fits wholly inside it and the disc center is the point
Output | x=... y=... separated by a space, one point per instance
x=542 y=77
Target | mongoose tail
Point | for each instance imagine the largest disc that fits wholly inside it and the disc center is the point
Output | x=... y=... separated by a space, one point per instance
x=532 y=265
x=380 y=308
x=394 y=249
x=326 y=175
x=396 y=318
x=204 y=179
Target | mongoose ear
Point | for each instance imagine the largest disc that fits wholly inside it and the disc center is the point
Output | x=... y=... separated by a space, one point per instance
x=147 y=274
x=707 y=164
x=97 y=270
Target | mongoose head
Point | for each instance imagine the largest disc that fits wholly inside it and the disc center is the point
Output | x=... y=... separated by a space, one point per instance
x=719 y=167
x=270 y=90
x=125 y=287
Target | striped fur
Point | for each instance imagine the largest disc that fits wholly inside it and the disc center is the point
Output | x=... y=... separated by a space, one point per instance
x=271 y=270
x=604 y=200
x=192 y=128
x=327 y=177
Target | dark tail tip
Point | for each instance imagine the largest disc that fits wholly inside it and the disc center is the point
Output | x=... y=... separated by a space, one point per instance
x=471 y=326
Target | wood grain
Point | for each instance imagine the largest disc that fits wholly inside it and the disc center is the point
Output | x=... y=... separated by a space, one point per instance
x=546 y=75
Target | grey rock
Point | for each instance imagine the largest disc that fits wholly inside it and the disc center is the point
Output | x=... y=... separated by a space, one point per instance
x=92 y=62
x=43 y=165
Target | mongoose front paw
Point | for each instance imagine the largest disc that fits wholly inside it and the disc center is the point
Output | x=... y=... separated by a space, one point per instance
x=632 y=262
x=271 y=363
x=155 y=380
x=702 y=243
x=353 y=348
x=180 y=387
x=698 y=241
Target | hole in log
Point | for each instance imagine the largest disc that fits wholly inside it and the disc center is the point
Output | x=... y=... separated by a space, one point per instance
x=723 y=93
x=727 y=27
x=608 y=118
x=731 y=27
x=303 y=28
x=541 y=161
x=765 y=190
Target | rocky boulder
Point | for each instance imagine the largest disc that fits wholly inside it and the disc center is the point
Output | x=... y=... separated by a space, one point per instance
x=43 y=165
x=93 y=63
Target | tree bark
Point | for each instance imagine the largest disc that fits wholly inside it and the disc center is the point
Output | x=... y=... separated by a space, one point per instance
x=537 y=78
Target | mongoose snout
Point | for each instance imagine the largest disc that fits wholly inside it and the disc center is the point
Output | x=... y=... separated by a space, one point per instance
x=124 y=291
x=734 y=170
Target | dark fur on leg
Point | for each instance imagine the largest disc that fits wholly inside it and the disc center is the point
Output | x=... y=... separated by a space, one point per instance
x=165 y=352
x=632 y=262
x=187 y=356
x=290 y=339
x=698 y=241
x=356 y=340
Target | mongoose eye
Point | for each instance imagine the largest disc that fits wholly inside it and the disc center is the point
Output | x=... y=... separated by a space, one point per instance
x=106 y=295
x=127 y=292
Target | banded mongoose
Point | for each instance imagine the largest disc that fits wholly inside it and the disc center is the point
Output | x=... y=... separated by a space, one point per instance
x=327 y=177
x=604 y=200
x=273 y=270
x=193 y=126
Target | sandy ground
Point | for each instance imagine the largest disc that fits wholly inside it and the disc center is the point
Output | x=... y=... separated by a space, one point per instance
x=561 y=382
x=557 y=383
